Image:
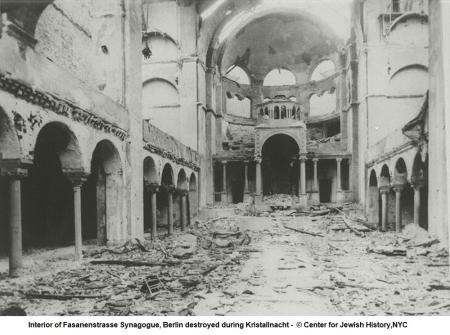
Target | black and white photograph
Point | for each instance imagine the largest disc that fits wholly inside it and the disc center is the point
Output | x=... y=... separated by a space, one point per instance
x=224 y=159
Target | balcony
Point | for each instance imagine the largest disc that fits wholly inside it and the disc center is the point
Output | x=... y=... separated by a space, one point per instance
x=279 y=111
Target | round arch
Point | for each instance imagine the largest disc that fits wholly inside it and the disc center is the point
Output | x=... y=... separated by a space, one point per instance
x=267 y=136
x=405 y=17
x=373 y=181
x=48 y=215
x=102 y=195
x=150 y=170
x=167 y=175
x=373 y=206
x=400 y=172
x=280 y=174
x=182 y=180
x=238 y=74
x=56 y=138
x=408 y=67
x=322 y=69
x=280 y=77
x=419 y=171
x=385 y=176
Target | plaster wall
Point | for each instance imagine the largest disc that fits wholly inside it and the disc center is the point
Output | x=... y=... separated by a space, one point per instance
x=82 y=37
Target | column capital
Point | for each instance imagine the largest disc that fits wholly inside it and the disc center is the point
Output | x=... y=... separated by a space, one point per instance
x=246 y=162
x=13 y=168
x=168 y=188
x=15 y=173
x=302 y=158
x=417 y=185
x=339 y=159
x=258 y=159
x=181 y=191
x=315 y=159
x=398 y=187
x=152 y=187
x=77 y=178
x=384 y=189
x=224 y=162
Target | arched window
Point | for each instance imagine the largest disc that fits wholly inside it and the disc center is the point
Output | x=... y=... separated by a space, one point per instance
x=163 y=48
x=276 y=113
x=410 y=80
x=323 y=70
x=323 y=104
x=283 y=112
x=239 y=106
x=161 y=105
x=279 y=77
x=238 y=75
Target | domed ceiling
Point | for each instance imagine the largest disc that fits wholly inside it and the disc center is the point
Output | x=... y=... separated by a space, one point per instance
x=277 y=41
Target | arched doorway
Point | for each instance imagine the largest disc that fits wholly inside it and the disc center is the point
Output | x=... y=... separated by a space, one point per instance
x=407 y=192
x=279 y=155
x=150 y=178
x=162 y=204
x=48 y=193
x=102 y=194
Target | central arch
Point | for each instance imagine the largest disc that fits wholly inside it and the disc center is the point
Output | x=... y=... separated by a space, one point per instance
x=279 y=154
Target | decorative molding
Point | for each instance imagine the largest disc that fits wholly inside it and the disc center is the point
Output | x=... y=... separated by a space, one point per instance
x=58 y=106
x=13 y=168
x=166 y=154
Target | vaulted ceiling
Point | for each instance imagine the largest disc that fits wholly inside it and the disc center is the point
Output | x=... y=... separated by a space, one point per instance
x=278 y=40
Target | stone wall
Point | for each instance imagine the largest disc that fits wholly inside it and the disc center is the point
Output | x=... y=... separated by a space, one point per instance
x=167 y=146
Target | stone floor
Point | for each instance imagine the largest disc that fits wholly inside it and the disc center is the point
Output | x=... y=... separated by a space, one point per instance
x=244 y=265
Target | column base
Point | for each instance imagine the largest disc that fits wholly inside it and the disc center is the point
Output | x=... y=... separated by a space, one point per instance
x=224 y=198
x=302 y=201
x=258 y=200
x=315 y=198
x=340 y=196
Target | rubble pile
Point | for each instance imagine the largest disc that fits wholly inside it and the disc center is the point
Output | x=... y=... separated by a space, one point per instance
x=139 y=277
x=325 y=260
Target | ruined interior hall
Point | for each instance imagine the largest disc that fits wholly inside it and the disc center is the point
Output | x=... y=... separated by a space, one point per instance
x=131 y=119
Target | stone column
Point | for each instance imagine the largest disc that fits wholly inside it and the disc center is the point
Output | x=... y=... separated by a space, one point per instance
x=246 y=192
x=183 y=206
x=302 y=179
x=384 y=190
x=224 y=183
x=259 y=182
x=77 y=181
x=15 y=218
x=398 y=207
x=417 y=188
x=154 y=188
x=338 y=174
x=315 y=196
x=170 y=190
x=316 y=181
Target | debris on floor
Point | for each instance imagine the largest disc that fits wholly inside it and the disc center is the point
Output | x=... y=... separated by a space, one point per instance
x=319 y=261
